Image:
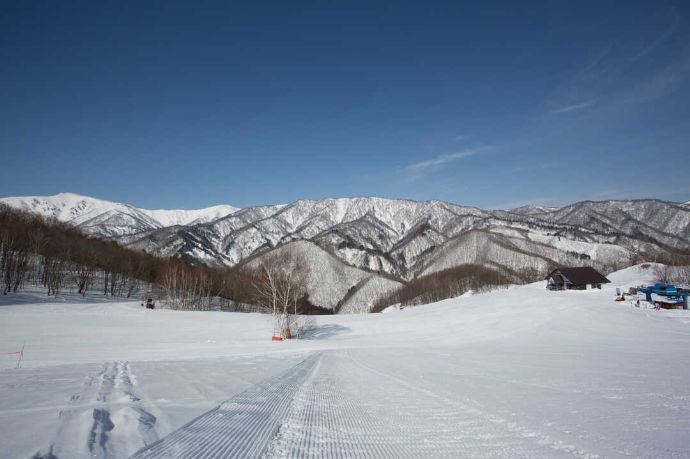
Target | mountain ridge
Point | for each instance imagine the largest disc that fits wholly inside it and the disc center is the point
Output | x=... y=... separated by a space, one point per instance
x=381 y=242
x=95 y=215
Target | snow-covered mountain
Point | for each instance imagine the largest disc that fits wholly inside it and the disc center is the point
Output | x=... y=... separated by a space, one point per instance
x=530 y=209
x=401 y=238
x=190 y=217
x=101 y=218
x=361 y=248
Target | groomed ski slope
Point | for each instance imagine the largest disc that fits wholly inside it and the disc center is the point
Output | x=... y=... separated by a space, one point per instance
x=520 y=372
x=320 y=409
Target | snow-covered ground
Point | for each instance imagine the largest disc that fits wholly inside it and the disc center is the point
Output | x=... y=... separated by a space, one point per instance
x=520 y=372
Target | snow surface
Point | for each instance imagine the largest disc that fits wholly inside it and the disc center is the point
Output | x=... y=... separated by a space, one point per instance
x=634 y=276
x=519 y=372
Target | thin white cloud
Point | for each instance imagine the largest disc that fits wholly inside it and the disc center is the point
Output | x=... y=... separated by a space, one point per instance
x=594 y=63
x=663 y=83
x=442 y=159
x=573 y=107
x=413 y=172
x=661 y=38
x=606 y=83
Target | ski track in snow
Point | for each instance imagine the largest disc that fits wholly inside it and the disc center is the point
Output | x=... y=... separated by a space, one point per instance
x=334 y=405
x=106 y=400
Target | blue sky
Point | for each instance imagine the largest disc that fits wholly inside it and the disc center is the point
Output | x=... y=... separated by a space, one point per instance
x=494 y=104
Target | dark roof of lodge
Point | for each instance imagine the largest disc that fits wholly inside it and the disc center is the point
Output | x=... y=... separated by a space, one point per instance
x=581 y=276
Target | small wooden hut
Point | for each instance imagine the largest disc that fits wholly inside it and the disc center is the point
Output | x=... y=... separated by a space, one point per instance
x=575 y=278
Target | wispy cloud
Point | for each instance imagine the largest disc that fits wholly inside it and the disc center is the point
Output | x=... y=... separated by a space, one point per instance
x=595 y=62
x=583 y=87
x=661 y=38
x=574 y=107
x=664 y=82
x=605 y=79
x=406 y=175
x=443 y=159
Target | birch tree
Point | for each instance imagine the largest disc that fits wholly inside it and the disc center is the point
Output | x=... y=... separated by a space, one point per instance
x=279 y=283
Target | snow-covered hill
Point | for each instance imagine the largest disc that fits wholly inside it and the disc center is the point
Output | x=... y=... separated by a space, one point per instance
x=333 y=284
x=101 y=218
x=190 y=217
x=532 y=210
x=665 y=222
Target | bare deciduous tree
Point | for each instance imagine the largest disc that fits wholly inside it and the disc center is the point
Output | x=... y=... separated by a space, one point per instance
x=186 y=287
x=280 y=281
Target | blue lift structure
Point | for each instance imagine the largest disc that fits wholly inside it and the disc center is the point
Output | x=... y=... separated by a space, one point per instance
x=666 y=290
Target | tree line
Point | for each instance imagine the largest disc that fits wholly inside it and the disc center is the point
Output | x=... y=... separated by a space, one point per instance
x=44 y=253
x=47 y=254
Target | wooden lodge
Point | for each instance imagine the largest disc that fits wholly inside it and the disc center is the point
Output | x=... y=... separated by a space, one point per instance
x=575 y=279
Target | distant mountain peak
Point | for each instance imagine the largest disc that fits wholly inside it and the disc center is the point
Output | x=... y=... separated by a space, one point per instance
x=529 y=209
x=101 y=217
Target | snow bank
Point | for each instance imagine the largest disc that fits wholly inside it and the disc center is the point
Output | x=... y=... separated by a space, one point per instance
x=641 y=274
